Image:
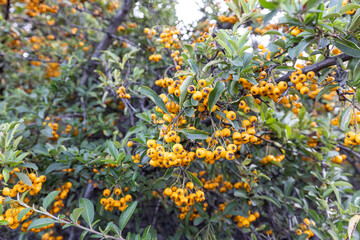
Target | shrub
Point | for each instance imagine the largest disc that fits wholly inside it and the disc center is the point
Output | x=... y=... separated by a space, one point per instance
x=116 y=122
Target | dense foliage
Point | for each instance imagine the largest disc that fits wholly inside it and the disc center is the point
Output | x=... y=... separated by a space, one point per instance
x=118 y=121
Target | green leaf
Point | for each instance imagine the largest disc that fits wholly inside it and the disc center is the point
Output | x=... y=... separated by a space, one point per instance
x=268 y=5
x=358 y=95
x=154 y=97
x=193 y=65
x=348 y=47
x=198 y=220
x=49 y=199
x=336 y=191
x=270 y=199
x=331 y=15
x=113 y=150
x=348 y=7
x=42 y=222
x=183 y=89
x=209 y=64
x=272 y=32
x=88 y=212
x=76 y=214
x=345 y=118
x=215 y=94
x=270 y=15
x=230 y=207
x=324 y=91
x=194 y=134
x=250 y=101
x=224 y=45
x=355 y=23
x=289 y=184
x=281 y=43
x=23 y=177
x=194 y=179
x=5 y=174
x=189 y=111
x=126 y=215
x=3 y=222
x=295 y=51
x=352 y=225
x=22 y=213
x=342 y=183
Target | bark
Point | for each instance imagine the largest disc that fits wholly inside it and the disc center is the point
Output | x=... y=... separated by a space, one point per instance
x=330 y=61
x=107 y=40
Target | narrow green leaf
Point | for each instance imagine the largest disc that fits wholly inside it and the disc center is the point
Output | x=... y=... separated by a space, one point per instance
x=23 y=177
x=272 y=32
x=358 y=95
x=270 y=199
x=331 y=15
x=209 y=64
x=22 y=213
x=5 y=174
x=268 y=5
x=324 y=91
x=113 y=150
x=230 y=207
x=88 y=212
x=289 y=184
x=49 y=199
x=183 y=89
x=3 y=222
x=355 y=23
x=348 y=7
x=336 y=191
x=42 y=222
x=126 y=215
x=215 y=94
x=194 y=179
x=345 y=118
x=154 y=97
x=76 y=214
x=348 y=48
x=354 y=220
x=194 y=134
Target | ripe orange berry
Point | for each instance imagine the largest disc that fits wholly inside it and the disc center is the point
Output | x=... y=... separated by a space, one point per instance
x=350 y=135
x=177 y=148
x=117 y=191
x=197 y=96
x=42 y=178
x=191 y=89
x=310 y=75
x=200 y=152
x=151 y=143
x=130 y=143
x=190 y=185
x=6 y=191
x=202 y=82
x=106 y=192
x=231 y=115
x=304 y=90
x=167 y=192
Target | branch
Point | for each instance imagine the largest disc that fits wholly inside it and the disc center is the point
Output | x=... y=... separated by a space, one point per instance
x=7 y=10
x=67 y=221
x=318 y=66
x=107 y=40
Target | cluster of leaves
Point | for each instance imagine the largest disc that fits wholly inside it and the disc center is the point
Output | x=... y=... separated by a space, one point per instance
x=61 y=117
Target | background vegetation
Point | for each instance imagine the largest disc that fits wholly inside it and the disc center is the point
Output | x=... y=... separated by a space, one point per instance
x=115 y=122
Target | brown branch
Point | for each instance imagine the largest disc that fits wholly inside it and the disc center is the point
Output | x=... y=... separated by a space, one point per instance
x=318 y=66
x=7 y=10
x=107 y=39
